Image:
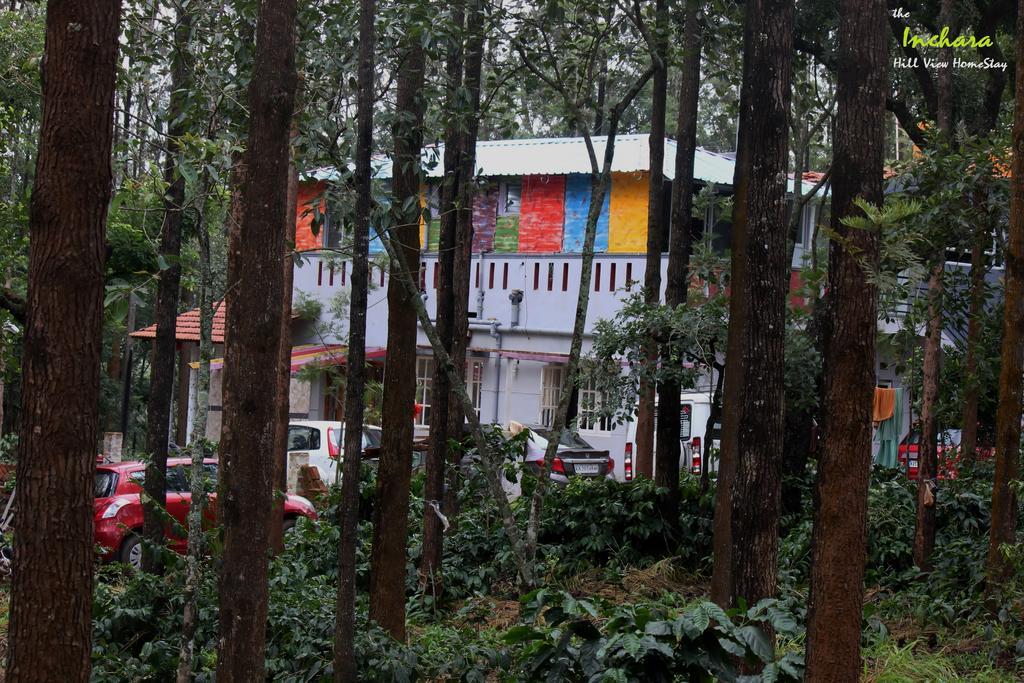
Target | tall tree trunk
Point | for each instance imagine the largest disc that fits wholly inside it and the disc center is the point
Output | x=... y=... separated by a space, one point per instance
x=1011 y=371
x=755 y=398
x=283 y=366
x=431 y=579
x=197 y=450
x=978 y=295
x=924 y=527
x=680 y=247
x=655 y=233
x=927 y=481
x=391 y=513
x=345 y=670
x=49 y=633
x=158 y=416
x=252 y=336
x=464 y=238
x=840 y=517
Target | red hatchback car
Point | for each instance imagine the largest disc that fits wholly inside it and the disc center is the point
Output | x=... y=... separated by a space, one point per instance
x=118 y=506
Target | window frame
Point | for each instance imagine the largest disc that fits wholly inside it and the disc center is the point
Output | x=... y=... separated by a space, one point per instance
x=549 y=393
x=503 y=187
x=590 y=420
x=475 y=382
x=424 y=386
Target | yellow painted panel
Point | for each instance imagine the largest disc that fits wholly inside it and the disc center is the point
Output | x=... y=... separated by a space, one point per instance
x=627 y=221
x=423 y=224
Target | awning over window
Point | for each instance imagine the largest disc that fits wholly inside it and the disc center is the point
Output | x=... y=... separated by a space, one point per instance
x=543 y=357
x=304 y=354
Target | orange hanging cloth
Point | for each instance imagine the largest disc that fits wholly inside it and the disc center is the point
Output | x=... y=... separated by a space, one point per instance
x=885 y=403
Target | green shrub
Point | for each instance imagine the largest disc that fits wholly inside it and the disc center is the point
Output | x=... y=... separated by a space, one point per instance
x=566 y=639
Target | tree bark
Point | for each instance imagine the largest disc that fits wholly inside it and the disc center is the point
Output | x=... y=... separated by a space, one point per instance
x=161 y=383
x=462 y=262
x=283 y=366
x=927 y=481
x=840 y=516
x=677 y=282
x=431 y=580
x=391 y=518
x=49 y=636
x=655 y=233
x=252 y=339
x=197 y=450
x=978 y=296
x=924 y=526
x=1008 y=415
x=756 y=399
x=345 y=670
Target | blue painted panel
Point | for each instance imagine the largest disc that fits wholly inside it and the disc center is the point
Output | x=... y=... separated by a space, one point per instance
x=376 y=246
x=577 y=203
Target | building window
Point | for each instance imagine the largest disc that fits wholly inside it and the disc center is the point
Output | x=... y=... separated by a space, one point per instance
x=590 y=407
x=509 y=195
x=424 y=380
x=475 y=382
x=551 y=386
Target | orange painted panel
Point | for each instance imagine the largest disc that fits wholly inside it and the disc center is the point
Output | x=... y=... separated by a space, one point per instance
x=627 y=221
x=308 y=196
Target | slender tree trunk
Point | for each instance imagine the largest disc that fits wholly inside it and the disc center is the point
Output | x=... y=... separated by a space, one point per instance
x=464 y=239
x=1004 y=497
x=391 y=513
x=680 y=247
x=345 y=670
x=599 y=187
x=252 y=339
x=158 y=416
x=924 y=527
x=756 y=399
x=197 y=450
x=927 y=481
x=284 y=360
x=655 y=233
x=431 y=580
x=840 y=519
x=49 y=633
x=972 y=388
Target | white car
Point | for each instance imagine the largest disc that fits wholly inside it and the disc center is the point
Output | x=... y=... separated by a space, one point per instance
x=320 y=443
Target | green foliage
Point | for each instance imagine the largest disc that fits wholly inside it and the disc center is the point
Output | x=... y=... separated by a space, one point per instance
x=570 y=639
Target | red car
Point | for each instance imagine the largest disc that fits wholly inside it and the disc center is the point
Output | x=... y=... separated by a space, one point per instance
x=118 y=506
x=947 y=450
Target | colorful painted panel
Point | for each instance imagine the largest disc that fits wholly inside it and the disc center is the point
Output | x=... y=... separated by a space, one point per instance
x=485 y=213
x=577 y=203
x=308 y=195
x=376 y=246
x=627 y=229
x=542 y=214
x=433 y=234
x=506 y=234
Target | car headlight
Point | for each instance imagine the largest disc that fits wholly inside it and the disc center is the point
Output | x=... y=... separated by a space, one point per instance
x=112 y=509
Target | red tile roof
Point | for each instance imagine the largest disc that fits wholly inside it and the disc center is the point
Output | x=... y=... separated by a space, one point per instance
x=187 y=327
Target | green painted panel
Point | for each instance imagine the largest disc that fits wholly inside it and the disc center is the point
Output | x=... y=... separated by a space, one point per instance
x=434 y=235
x=506 y=234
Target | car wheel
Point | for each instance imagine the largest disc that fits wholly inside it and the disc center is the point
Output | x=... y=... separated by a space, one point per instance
x=288 y=526
x=131 y=551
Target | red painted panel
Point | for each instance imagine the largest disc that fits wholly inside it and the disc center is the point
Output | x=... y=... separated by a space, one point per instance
x=308 y=196
x=542 y=214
